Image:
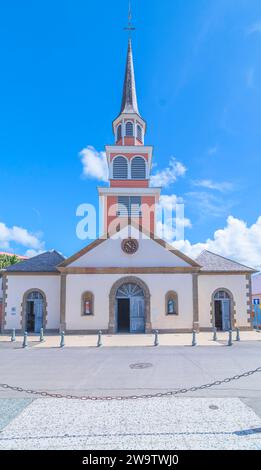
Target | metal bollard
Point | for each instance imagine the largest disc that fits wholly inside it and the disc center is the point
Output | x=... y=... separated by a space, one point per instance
x=25 y=344
x=41 y=336
x=214 y=334
x=99 y=341
x=156 y=338
x=230 y=342
x=194 y=340
x=238 y=335
x=13 y=335
x=62 y=342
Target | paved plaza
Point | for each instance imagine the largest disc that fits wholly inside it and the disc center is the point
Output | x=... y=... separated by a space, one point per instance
x=223 y=417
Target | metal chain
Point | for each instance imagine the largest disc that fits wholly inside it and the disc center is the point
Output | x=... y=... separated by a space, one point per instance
x=133 y=397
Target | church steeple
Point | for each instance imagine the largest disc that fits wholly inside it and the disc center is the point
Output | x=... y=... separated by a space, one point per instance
x=129 y=127
x=129 y=195
x=129 y=97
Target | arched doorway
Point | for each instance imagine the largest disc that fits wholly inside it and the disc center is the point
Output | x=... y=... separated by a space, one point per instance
x=129 y=306
x=34 y=311
x=222 y=310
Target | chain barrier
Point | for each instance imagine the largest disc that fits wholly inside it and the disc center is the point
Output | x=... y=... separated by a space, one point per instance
x=133 y=397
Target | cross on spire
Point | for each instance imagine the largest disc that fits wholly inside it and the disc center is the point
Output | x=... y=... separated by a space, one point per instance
x=130 y=26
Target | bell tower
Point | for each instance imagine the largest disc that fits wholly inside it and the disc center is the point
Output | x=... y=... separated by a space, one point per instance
x=129 y=196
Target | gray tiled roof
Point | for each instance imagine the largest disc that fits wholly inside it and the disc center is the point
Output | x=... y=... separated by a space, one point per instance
x=45 y=262
x=212 y=262
x=129 y=98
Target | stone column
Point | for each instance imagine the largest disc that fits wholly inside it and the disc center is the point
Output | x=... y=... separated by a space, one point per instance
x=249 y=300
x=195 y=302
x=4 y=304
x=63 y=302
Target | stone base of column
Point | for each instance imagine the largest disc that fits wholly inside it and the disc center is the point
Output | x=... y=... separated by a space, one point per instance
x=62 y=327
x=148 y=328
x=196 y=326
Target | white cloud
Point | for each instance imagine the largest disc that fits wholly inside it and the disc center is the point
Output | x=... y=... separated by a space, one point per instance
x=236 y=240
x=19 y=236
x=168 y=175
x=209 y=184
x=208 y=204
x=254 y=28
x=170 y=217
x=30 y=253
x=169 y=201
x=94 y=164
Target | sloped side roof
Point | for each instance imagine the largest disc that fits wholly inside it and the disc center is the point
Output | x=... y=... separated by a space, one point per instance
x=45 y=262
x=212 y=262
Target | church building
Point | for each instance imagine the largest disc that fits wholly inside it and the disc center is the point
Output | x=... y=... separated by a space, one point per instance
x=129 y=280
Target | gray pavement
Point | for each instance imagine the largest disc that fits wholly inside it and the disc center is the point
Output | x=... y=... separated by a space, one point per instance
x=225 y=417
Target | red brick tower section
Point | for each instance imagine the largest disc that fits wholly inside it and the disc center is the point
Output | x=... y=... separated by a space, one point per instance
x=129 y=196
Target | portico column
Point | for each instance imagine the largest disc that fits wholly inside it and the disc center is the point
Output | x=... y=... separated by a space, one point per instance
x=63 y=302
x=195 y=302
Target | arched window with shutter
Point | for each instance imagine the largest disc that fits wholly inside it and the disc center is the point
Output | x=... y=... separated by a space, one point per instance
x=119 y=133
x=120 y=168
x=139 y=133
x=138 y=168
x=129 y=129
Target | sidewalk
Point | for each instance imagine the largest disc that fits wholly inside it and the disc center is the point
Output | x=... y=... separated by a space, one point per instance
x=130 y=340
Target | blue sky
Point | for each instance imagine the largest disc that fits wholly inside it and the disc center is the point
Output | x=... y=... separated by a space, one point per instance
x=198 y=74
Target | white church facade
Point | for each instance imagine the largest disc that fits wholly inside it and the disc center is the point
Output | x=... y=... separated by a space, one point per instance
x=129 y=280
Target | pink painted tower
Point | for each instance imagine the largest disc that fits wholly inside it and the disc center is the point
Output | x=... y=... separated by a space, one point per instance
x=129 y=196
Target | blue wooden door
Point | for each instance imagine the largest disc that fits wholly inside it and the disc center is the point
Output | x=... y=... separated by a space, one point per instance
x=226 y=319
x=137 y=315
x=38 y=315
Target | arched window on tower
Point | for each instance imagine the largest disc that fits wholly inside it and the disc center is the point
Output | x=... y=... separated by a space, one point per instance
x=139 y=133
x=129 y=129
x=138 y=168
x=119 y=133
x=120 y=168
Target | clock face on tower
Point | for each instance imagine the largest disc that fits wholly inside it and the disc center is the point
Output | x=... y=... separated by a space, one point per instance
x=130 y=246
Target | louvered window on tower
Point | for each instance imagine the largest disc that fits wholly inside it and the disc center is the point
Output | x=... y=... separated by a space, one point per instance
x=119 y=133
x=139 y=133
x=138 y=168
x=129 y=129
x=120 y=168
x=129 y=206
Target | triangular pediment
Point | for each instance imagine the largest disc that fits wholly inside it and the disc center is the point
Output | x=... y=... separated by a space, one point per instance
x=109 y=253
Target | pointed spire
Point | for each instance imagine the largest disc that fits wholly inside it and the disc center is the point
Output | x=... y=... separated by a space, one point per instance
x=129 y=98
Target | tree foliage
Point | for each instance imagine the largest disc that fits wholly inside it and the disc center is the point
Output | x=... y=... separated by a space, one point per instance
x=7 y=260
